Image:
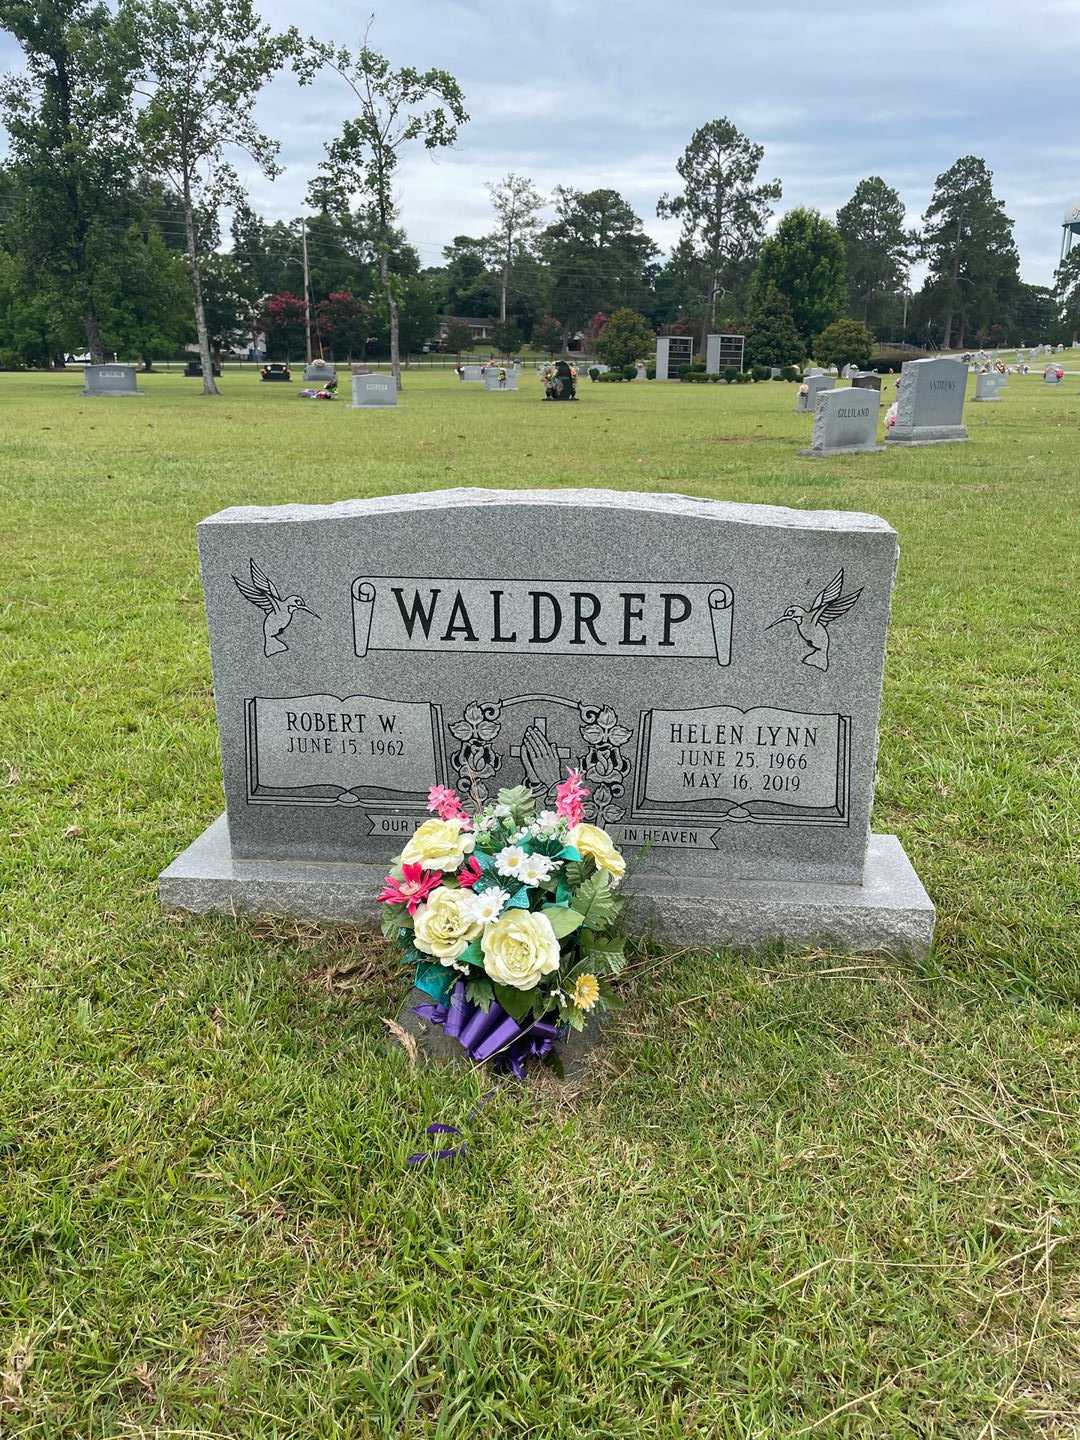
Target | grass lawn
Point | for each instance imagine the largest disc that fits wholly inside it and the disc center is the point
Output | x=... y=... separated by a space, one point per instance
x=797 y=1195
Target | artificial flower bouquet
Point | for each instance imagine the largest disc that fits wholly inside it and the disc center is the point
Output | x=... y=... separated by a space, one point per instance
x=510 y=918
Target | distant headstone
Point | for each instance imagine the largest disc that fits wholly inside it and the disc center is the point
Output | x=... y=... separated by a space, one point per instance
x=110 y=380
x=1052 y=375
x=849 y=372
x=723 y=712
x=472 y=374
x=495 y=379
x=845 y=422
x=989 y=385
x=358 y=368
x=867 y=380
x=930 y=403
x=319 y=371
x=814 y=384
x=373 y=392
x=641 y=372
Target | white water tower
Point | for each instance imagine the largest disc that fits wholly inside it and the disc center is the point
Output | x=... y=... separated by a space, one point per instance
x=1070 y=226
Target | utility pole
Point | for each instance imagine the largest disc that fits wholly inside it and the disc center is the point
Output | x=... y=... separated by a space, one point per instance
x=307 y=291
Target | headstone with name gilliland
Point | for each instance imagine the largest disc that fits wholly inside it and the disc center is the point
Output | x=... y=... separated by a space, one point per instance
x=110 y=380
x=930 y=403
x=373 y=392
x=816 y=385
x=845 y=423
x=714 y=671
x=989 y=386
x=495 y=379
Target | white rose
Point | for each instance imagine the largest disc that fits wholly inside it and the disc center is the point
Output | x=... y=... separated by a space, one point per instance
x=520 y=948
x=446 y=923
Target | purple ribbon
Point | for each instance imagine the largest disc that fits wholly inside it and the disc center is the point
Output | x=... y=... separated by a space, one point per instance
x=492 y=1034
x=440 y=1129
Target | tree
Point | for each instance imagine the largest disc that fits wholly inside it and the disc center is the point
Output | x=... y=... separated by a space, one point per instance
x=283 y=319
x=723 y=210
x=877 y=248
x=1067 y=294
x=844 y=342
x=507 y=339
x=343 y=323
x=967 y=241
x=516 y=203
x=396 y=108
x=626 y=338
x=68 y=123
x=599 y=255
x=804 y=259
x=773 y=338
x=205 y=62
x=150 y=315
x=458 y=337
x=548 y=334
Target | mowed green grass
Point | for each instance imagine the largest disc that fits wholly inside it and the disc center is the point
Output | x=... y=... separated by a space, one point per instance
x=795 y=1195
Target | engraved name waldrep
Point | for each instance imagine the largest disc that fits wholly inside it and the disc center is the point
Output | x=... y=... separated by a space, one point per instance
x=554 y=617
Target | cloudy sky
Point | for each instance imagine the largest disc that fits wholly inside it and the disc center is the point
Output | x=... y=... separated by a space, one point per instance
x=593 y=93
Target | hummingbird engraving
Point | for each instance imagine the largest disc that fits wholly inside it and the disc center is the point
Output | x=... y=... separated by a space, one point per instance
x=813 y=624
x=279 y=612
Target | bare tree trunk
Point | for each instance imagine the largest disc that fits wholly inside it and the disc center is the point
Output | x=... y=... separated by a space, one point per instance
x=391 y=305
x=505 y=287
x=955 y=281
x=209 y=384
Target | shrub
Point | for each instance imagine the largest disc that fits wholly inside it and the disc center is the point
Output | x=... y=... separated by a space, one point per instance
x=759 y=372
x=781 y=377
x=610 y=377
x=888 y=362
x=629 y=372
x=11 y=360
x=730 y=375
x=791 y=372
x=594 y=373
x=650 y=372
x=844 y=342
x=743 y=377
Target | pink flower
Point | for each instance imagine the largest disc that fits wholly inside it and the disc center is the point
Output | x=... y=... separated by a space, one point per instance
x=569 y=797
x=412 y=889
x=444 y=802
x=469 y=874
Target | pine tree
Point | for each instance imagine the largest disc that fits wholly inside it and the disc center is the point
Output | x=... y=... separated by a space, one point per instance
x=773 y=338
x=877 y=248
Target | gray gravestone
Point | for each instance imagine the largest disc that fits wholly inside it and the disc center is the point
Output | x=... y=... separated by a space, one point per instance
x=641 y=372
x=320 y=371
x=989 y=385
x=1051 y=376
x=373 y=392
x=496 y=380
x=713 y=669
x=867 y=380
x=472 y=374
x=110 y=380
x=845 y=423
x=816 y=384
x=930 y=403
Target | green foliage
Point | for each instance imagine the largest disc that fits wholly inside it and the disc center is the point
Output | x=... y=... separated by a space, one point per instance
x=844 y=342
x=521 y=802
x=877 y=248
x=564 y=921
x=479 y=989
x=548 y=335
x=508 y=338
x=596 y=903
x=625 y=339
x=597 y=254
x=629 y=372
x=517 y=1003
x=773 y=338
x=459 y=337
x=731 y=374
x=804 y=259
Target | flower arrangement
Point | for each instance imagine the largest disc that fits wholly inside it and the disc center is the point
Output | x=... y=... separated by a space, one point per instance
x=510 y=919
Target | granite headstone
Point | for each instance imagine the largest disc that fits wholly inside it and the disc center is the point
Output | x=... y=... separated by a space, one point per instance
x=713 y=669
x=845 y=423
x=110 y=380
x=930 y=403
x=816 y=384
x=373 y=392
x=494 y=379
x=1052 y=375
x=319 y=371
x=867 y=380
x=472 y=374
x=989 y=385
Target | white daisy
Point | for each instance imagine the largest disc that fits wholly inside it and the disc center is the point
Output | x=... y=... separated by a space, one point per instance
x=487 y=904
x=536 y=869
x=510 y=860
x=547 y=821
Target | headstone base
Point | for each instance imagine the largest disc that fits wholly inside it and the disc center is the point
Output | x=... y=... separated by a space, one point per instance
x=928 y=435
x=841 y=450
x=889 y=912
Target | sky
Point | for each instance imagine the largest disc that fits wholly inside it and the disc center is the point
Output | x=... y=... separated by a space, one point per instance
x=594 y=93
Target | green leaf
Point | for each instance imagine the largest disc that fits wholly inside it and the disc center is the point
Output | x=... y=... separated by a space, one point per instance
x=575 y=1018
x=564 y=921
x=519 y=900
x=480 y=991
x=595 y=903
x=435 y=980
x=393 y=919
x=521 y=802
x=472 y=955
x=576 y=871
x=604 y=952
x=517 y=1003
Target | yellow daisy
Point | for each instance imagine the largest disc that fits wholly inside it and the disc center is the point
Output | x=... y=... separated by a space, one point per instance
x=586 y=992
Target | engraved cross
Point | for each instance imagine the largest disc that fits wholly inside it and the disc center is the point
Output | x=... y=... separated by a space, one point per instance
x=540 y=724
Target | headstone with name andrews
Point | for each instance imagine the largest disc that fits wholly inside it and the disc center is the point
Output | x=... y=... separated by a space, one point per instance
x=373 y=392
x=816 y=384
x=845 y=423
x=714 y=671
x=930 y=403
x=110 y=380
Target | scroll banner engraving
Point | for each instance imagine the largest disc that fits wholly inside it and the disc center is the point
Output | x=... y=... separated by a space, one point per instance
x=765 y=765
x=322 y=750
x=543 y=617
